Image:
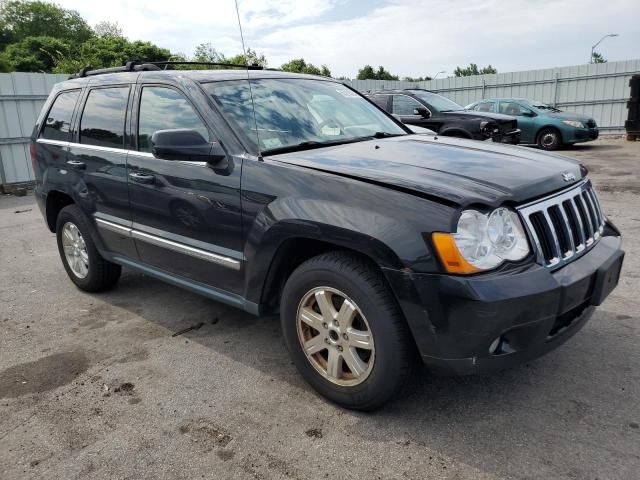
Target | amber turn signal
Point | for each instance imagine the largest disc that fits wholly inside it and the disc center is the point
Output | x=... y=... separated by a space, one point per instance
x=450 y=256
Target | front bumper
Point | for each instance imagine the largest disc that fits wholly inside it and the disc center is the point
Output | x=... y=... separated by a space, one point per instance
x=579 y=135
x=486 y=322
x=511 y=137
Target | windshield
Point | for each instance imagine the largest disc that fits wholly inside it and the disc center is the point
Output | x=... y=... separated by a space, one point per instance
x=291 y=113
x=437 y=102
x=541 y=106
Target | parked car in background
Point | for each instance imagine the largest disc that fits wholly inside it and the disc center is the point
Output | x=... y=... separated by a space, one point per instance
x=426 y=109
x=548 y=127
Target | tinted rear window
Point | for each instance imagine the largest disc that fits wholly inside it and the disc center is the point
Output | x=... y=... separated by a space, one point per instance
x=103 y=117
x=58 y=121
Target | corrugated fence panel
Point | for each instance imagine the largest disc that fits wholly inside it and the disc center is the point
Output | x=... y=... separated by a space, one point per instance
x=600 y=91
x=21 y=98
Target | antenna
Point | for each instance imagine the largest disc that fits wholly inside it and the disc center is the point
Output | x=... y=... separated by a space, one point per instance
x=246 y=61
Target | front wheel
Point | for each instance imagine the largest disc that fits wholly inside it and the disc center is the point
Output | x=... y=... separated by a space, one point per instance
x=344 y=330
x=549 y=139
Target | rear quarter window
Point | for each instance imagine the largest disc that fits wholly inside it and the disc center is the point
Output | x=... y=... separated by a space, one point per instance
x=57 y=123
x=102 y=121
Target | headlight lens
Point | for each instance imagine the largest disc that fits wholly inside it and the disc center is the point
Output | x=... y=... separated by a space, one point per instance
x=487 y=240
x=573 y=123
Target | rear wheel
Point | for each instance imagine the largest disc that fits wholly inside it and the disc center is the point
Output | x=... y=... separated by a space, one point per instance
x=80 y=257
x=549 y=139
x=344 y=330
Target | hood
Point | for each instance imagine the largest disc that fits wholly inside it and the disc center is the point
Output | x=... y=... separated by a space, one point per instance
x=569 y=116
x=456 y=170
x=472 y=114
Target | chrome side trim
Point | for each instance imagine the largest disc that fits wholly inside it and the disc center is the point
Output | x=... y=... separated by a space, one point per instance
x=169 y=244
x=114 y=227
x=52 y=142
x=186 y=250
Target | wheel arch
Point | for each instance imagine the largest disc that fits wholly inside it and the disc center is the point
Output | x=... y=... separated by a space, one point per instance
x=457 y=132
x=56 y=201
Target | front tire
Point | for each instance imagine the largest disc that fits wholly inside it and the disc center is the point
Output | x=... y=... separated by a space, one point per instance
x=80 y=257
x=549 y=139
x=345 y=331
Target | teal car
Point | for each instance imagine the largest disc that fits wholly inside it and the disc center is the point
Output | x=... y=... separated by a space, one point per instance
x=541 y=124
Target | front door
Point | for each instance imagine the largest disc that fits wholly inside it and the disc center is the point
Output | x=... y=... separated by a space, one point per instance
x=526 y=119
x=406 y=108
x=186 y=215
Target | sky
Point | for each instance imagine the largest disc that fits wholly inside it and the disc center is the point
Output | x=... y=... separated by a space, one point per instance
x=409 y=38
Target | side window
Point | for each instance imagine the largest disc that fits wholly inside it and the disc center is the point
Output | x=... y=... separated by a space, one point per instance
x=163 y=108
x=102 y=121
x=513 y=108
x=404 y=105
x=380 y=100
x=58 y=121
x=484 y=107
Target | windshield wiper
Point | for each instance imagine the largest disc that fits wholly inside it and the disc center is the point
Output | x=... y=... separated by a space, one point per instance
x=310 y=144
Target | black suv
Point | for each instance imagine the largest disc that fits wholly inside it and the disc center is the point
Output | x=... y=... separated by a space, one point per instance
x=279 y=192
x=445 y=117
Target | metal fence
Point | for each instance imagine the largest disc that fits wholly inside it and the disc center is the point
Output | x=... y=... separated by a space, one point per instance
x=21 y=98
x=600 y=91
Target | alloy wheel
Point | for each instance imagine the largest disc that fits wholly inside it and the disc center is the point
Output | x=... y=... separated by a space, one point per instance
x=75 y=250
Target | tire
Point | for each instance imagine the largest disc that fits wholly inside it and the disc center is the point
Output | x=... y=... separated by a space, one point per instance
x=549 y=139
x=387 y=358
x=90 y=272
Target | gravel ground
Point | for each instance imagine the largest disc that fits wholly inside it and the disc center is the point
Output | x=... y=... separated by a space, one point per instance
x=96 y=386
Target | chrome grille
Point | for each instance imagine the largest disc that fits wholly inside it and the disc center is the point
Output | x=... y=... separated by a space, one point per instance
x=564 y=225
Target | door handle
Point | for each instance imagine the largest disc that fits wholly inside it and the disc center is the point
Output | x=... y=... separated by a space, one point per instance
x=77 y=164
x=141 y=177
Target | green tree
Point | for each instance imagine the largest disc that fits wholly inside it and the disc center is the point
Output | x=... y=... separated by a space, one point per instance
x=251 y=58
x=34 y=54
x=598 y=58
x=298 y=65
x=108 y=29
x=22 y=19
x=368 y=73
x=206 y=53
x=473 y=69
x=417 y=79
x=102 y=52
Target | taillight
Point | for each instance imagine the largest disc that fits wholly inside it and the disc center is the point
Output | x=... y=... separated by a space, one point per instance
x=32 y=151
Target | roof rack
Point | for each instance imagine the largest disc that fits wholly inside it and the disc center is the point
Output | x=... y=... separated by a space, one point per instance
x=136 y=66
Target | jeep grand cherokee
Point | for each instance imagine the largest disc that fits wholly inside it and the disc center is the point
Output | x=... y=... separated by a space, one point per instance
x=279 y=192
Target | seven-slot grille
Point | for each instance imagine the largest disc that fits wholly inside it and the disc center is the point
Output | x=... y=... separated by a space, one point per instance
x=565 y=225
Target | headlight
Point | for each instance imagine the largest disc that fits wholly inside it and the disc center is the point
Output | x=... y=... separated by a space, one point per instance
x=482 y=241
x=573 y=123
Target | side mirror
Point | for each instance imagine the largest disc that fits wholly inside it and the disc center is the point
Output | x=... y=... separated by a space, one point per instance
x=422 y=111
x=185 y=144
x=527 y=113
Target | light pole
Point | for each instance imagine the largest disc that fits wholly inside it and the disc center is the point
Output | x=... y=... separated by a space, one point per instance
x=599 y=41
x=436 y=76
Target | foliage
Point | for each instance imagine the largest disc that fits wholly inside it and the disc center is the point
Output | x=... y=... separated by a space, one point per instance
x=100 y=52
x=108 y=29
x=417 y=79
x=598 y=58
x=473 y=69
x=33 y=54
x=368 y=73
x=21 y=19
x=298 y=65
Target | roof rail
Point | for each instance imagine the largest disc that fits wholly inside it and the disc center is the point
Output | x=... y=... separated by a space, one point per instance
x=136 y=66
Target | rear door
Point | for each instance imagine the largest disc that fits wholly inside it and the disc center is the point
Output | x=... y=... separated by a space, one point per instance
x=186 y=214
x=99 y=157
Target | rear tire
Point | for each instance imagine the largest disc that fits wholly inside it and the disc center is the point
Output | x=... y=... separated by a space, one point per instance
x=549 y=139
x=340 y=308
x=80 y=257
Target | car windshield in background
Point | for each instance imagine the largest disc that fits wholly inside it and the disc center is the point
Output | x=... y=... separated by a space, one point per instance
x=541 y=106
x=438 y=102
x=293 y=114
